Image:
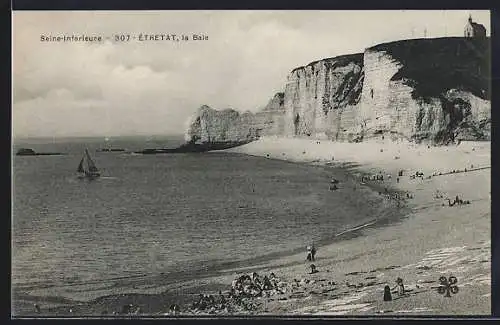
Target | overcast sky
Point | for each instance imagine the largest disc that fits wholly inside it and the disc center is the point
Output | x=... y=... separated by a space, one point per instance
x=64 y=89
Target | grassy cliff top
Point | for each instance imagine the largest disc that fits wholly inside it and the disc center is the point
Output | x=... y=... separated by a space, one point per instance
x=433 y=66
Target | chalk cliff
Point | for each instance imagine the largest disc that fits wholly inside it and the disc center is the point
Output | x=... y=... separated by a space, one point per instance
x=228 y=125
x=322 y=97
x=435 y=90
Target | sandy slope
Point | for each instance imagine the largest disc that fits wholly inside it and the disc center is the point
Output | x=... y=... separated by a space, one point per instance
x=435 y=240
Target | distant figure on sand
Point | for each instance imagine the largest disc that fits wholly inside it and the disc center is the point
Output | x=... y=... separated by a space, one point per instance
x=387 y=293
x=174 y=309
x=400 y=286
x=311 y=253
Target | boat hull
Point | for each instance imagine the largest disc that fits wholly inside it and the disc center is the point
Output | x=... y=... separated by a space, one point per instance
x=89 y=176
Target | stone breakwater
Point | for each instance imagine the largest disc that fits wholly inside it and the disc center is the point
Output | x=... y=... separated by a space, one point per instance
x=432 y=90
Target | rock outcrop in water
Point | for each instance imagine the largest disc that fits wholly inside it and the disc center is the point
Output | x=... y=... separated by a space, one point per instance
x=31 y=152
x=434 y=90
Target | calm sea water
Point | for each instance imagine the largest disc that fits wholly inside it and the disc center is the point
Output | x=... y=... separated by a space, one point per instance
x=158 y=213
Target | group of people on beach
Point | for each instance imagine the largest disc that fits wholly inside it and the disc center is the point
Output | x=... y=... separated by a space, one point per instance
x=375 y=177
x=244 y=286
x=254 y=285
x=205 y=302
x=399 y=288
x=454 y=171
x=457 y=201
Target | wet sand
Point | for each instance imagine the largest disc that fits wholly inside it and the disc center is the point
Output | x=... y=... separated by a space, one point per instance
x=431 y=241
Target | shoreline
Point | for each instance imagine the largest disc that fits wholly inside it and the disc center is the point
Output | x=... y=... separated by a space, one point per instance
x=60 y=305
x=284 y=264
x=193 y=286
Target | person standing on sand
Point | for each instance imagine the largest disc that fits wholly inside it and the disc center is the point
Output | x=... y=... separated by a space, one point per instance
x=387 y=293
x=312 y=252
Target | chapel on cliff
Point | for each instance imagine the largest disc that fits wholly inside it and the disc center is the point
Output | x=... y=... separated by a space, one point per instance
x=473 y=29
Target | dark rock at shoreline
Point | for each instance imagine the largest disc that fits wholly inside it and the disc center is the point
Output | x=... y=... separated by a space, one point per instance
x=195 y=147
x=31 y=152
x=110 y=150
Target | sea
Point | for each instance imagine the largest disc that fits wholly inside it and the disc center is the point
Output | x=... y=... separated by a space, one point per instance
x=158 y=214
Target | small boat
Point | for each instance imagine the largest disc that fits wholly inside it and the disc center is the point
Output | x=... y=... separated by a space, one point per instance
x=87 y=168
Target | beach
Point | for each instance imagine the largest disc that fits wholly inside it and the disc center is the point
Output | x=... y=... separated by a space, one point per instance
x=434 y=240
x=431 y=240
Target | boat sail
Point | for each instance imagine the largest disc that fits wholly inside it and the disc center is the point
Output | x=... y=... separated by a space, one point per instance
x=87 y=168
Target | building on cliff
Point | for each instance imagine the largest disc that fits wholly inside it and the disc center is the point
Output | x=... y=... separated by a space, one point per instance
x=473 y=29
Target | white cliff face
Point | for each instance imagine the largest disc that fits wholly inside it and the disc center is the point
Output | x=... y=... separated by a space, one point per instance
x=389 y=104
x=392 y=88
x=316 y=96
x=374 y=113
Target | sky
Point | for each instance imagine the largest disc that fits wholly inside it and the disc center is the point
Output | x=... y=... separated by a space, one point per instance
x=151 y=88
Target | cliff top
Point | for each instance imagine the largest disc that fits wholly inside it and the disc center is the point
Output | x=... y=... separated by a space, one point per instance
x=275 y=103
x=337 y=61
x=395 y=46
x=210 y=109
x=453 y=62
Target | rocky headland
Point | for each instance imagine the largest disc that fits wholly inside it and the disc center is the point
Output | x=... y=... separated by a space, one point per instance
x=421 y=90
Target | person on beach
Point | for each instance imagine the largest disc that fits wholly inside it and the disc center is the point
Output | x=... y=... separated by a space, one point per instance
x=399 y=286
x=311 y=253
x=127 y=309
x=274 y=280
x=256 y=279
x=387 y=293
x=222 y=299
x=266 y=284
x=174 y=309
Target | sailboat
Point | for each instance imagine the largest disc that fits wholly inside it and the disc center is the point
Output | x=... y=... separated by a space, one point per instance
x=87 y=168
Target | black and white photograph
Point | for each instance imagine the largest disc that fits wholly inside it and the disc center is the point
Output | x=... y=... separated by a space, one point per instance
x=223 y=163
